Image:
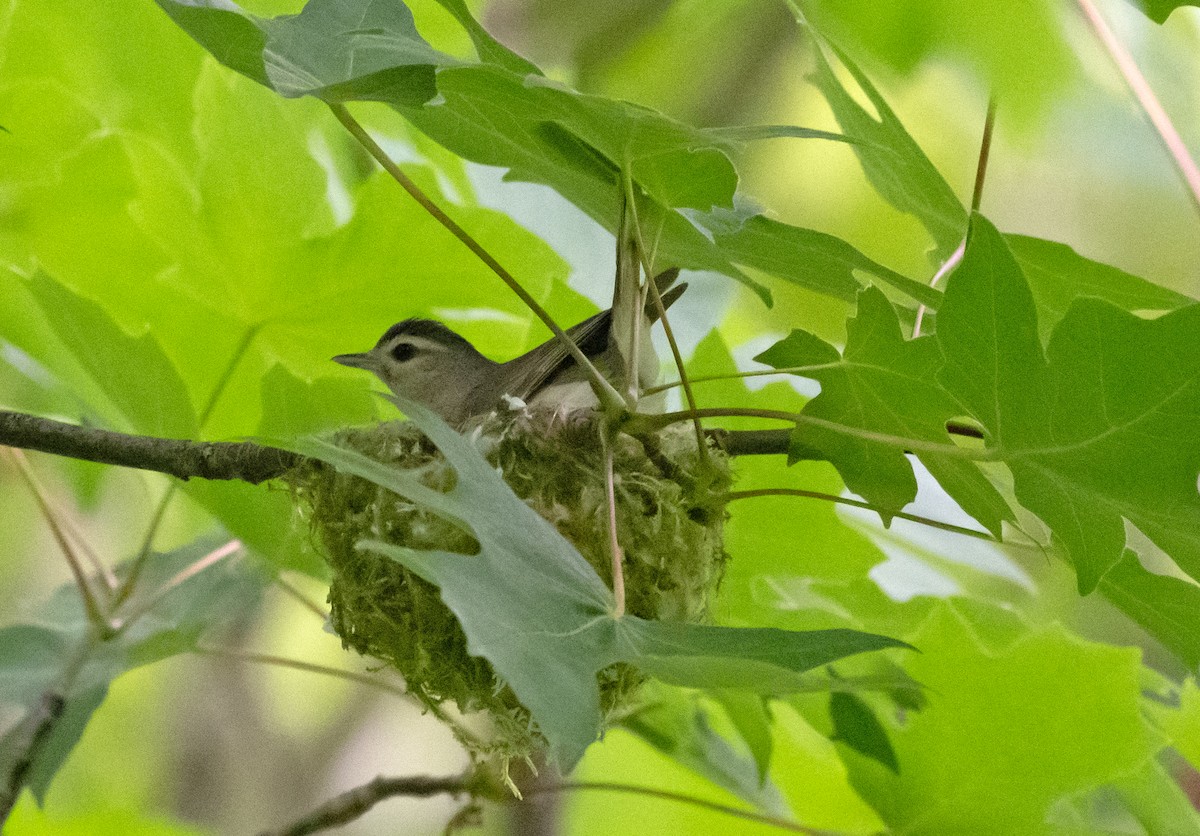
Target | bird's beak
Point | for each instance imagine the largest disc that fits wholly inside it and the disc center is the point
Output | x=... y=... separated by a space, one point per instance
x=356 y=361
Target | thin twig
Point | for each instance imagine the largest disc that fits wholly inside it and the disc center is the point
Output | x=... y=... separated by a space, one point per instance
x=140 y=608
x=353 y=804
x=985 y=152
x=160 y=512
x=610 y=399
x=642 y=422
x=459 y=730
x=1142 y=91
x=63 y=519
x=748 y=815
x=143 y=555
x=308 y=667
x=95 y=611
x=858 y=503
x=618 y=568
x=304 y=600
x=981 y=165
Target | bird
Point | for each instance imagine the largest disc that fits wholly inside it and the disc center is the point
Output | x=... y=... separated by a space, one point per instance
x=427 y=362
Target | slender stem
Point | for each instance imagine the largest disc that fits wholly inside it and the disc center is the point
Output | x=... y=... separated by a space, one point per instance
x=858 y=503
x=618 y=568
x=610 y=399
x=981 y=165
x=296 y=664
x=143 y=555
x=1142 y=91
x=649 y=423
x=953 y=261
x=352 y=676
x=90 y=603
x=667 y=795
x=144 y=606
x=304 y=600
x=985 y=151
x=55 y=514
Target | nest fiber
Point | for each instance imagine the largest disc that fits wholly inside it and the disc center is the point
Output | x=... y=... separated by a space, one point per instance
x=669 y=521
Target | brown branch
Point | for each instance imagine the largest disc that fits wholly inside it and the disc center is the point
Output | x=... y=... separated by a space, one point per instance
x=244 y=461
x=352 y=804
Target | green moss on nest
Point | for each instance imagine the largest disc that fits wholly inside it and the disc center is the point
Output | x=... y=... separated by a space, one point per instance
x=669 y=521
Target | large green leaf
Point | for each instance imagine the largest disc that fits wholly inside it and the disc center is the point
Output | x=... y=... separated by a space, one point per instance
x=533 y=607
x=1007 y=730
x=539 y=130
x=885 y=384
x=1102 y=427
x=55 y=671
x=125 y=380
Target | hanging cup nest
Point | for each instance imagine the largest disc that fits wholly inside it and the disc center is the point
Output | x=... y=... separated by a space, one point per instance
x=670 y=516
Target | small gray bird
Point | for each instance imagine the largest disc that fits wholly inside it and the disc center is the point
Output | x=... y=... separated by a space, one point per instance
x=425 y=361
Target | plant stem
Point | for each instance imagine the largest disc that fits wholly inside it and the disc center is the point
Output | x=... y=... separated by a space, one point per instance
x=95 y=612
x=1142 y=91
x=618 y=568
x=956 y=257
x=858 y=503
x=748 y=815
x=650 y=423
x=652 y=289
x=142 y=607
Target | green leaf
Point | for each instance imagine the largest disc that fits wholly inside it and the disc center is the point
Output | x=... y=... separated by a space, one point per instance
x=1058 y=276
x=855 y=724
x=892 y=160
x=547 y=638
x=1166 y=608
x=1007 y=731
x=125 y=379
x=546 y=133
x=56 y=672
x=885 y=384
x=678 y=726
x=488 y=48
x=751 y=717
x=1020 y=50
x=1160 y=10
x=1104 y=426
x=803 y=257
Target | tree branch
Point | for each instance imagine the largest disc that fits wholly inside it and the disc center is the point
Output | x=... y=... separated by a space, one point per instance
x=352 y=804
x=244 y=461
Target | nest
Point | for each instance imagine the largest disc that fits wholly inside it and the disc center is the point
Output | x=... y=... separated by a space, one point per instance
x=670 y=516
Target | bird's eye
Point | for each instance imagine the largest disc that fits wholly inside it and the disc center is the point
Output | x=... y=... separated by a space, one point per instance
x=403 y=352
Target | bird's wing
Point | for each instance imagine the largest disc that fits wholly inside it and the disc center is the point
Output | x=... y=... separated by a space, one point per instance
x=529 y=372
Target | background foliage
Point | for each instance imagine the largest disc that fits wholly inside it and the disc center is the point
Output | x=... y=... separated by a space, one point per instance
x=182 y=249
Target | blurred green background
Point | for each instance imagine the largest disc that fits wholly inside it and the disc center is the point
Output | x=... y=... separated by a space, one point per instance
x=120 y=96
